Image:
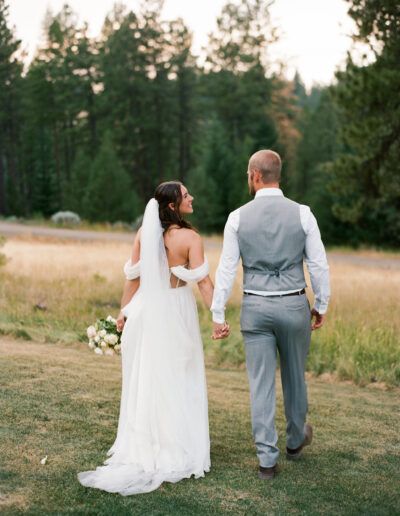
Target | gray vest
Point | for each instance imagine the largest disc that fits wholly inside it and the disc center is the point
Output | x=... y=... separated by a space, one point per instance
x=271 y=242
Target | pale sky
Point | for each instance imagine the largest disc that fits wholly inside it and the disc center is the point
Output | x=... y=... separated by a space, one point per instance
x=315 y=34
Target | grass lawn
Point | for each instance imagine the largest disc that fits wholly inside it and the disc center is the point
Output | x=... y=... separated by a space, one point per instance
x=61 y=400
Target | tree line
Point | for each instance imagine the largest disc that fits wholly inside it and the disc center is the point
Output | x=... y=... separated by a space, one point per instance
x=92 y=125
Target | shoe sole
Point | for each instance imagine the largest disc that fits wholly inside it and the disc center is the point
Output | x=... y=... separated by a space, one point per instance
x=265 y=476
x=295 y=456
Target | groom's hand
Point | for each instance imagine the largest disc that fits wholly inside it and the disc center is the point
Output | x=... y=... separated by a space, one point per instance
x=221 y=331
x=319 y=319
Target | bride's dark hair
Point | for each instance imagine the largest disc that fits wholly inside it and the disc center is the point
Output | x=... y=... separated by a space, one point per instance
x=166 y=193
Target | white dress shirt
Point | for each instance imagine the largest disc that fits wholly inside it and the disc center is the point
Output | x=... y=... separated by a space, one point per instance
x=314 y=254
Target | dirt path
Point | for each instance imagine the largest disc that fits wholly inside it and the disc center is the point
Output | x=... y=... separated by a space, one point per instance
x=13 y=229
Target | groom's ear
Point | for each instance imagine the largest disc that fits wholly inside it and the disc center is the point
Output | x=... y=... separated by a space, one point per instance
x=257 y=175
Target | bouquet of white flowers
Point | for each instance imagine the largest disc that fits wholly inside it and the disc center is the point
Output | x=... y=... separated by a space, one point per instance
x=104 y=338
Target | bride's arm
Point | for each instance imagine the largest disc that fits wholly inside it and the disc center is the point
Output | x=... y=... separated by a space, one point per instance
x=131 y=286
x=196 y=259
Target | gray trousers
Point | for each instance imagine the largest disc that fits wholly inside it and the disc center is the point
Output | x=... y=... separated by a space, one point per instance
x=269 y=324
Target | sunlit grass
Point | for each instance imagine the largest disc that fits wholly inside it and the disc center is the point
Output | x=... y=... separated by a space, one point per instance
x=79 y=282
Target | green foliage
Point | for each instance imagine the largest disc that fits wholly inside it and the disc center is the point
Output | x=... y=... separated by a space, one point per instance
x=11 y=182
x=139 y=85
x=76 y=188
x=366 y=175
x=109 y=195
x=207 y=214
x=317 y=149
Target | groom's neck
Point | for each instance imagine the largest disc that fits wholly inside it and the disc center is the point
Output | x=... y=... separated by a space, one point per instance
x=263 y=185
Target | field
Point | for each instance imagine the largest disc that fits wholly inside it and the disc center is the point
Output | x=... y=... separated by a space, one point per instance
x=79 y=282
x=61 y=400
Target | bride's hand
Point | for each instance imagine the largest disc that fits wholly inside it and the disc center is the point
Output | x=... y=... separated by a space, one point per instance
x=221 y=331
x=120 y=321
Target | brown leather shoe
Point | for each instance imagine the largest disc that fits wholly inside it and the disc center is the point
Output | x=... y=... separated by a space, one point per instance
x=268 y=473
x=296 y=454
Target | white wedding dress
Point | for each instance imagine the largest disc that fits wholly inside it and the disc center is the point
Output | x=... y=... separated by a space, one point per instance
x=163 y=424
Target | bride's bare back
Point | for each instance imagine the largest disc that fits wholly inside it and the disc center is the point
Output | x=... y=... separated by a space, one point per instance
x=183 y=247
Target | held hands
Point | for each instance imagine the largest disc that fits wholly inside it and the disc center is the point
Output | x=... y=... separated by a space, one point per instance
x=120 y=321
x=319 y=319
x=221 y=331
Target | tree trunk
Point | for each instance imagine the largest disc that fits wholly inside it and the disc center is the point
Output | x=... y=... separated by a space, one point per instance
x=3 y=205
x=182 y=146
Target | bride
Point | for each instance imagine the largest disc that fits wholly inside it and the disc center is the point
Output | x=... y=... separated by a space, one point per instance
x=163 y=422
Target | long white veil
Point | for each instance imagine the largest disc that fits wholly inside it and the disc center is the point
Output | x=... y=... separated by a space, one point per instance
x=154 y=271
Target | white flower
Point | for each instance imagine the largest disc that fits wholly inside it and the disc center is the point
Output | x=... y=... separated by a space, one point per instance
x=103 y=344
x=109 y=318
x=102 y=333
x=109 y=352
x=91 y=345
x=98 y=351
x=97 y=339
x=113 y=320
x=44 y=460
x=91 y=332
x=111 y=338
x=117 y=347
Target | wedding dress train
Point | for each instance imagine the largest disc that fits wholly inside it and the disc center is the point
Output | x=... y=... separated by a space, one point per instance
x=163 y=424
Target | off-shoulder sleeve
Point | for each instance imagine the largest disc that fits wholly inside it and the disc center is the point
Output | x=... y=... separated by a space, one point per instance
x=191 y=275
x=132 y=271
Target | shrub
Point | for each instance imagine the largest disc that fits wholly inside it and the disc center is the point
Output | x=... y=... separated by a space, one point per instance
x=68 y=218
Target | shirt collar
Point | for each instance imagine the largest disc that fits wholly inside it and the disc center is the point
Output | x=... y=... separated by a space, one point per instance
x=268 y=191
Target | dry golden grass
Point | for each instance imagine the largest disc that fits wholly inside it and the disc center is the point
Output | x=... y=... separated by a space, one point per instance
x=80 y=281
x=48 y=260
x=367 y=292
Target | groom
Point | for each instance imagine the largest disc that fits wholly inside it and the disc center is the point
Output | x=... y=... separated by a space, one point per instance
x=272 y=234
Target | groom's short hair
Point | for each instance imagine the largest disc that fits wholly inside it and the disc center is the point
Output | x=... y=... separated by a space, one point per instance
x=268 y=163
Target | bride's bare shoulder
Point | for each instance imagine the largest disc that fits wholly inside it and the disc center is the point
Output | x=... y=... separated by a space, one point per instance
x=182 y=233
x=189 y=235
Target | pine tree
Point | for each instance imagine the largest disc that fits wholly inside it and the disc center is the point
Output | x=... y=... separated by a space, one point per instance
x=11 y=182
x=366 y=178
x=109 y=194
x=76 y=188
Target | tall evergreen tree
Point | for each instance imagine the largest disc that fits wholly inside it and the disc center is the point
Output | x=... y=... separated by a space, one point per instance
x=75 y=190
x=66 y=66
x=318 y=148
x=237 y=90
x=11 y=182
x=366 y=178
x=109 y=195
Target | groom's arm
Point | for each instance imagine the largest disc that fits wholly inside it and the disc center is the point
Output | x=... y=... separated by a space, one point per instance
x=227 y=267
x=317 y=265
